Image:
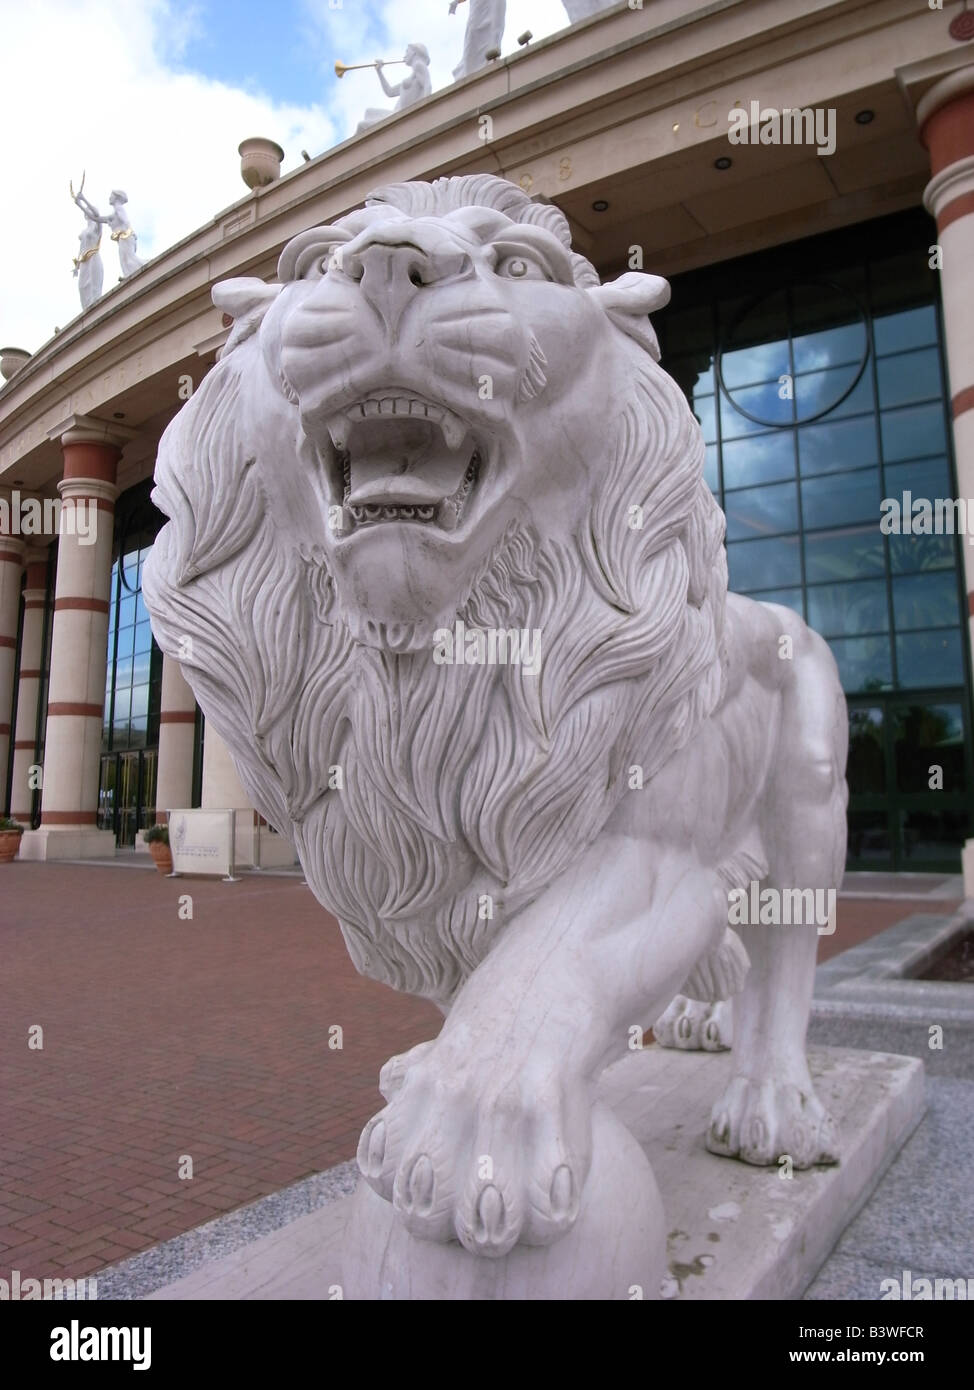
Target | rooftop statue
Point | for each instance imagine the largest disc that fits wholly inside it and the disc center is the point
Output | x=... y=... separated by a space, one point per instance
x=410 y=90
x=122 y=232
x=89 y=269
x=456 y=592
x=485 y=27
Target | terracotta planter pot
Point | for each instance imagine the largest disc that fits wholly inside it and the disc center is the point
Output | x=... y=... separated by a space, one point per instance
x=260 y=161
x=9 y=845
x=162 y=856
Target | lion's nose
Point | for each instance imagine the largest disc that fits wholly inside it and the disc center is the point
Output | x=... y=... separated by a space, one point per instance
x=392 y=275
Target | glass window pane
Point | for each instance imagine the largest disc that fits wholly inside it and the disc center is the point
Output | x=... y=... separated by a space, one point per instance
x=788 y=598
x=915 y=432
x=841 y=497
x=923 y=477
x=846 y=554
x=837 y=610
x=869 y=838
x=141 y=667
x=140 y=701
x=925 y=600
x=907 y=329
x=929 y=658
x=835 y=346
x=933 y=836
x=758 y=511
x=817 y=392
x=912 y=376
x=832 y=448
x=866 y=769
x=864 y=663
x=764 y=564
x=126 y=610
x=123 y=674
x=763 y=402
x=744 y=366
x=767 y=458
x=925 y=736
x=909 y=553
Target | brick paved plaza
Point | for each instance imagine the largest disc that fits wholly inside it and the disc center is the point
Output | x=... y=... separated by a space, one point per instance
x=208 y=1037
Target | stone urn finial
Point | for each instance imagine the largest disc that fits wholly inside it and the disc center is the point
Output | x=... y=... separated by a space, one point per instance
x=11 y=361
x=260 y=161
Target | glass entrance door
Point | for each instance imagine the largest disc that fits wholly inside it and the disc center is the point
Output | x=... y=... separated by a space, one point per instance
x=908 y=773
x=127 y=793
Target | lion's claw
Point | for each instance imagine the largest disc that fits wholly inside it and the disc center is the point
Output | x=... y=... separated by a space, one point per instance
x=462 y=1157
x=762 y=1121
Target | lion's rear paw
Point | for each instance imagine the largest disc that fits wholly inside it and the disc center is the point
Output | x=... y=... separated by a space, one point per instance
x=692 y=1026
x=764 y=1121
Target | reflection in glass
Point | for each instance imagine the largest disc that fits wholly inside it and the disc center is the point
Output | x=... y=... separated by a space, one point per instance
x=869 y=838
x=845 y=497
x=924 y=736
x=866 y=768
x=865 y=663
x=761 y=511
x=930 y=836
x=832 y=447
x=912 y=376
x=764 y=402
x=763 y=459
x=846 y=554
x=925 y=600
x=764 y=564
x=914 y=432
x=833 y=347
x=907 y=329
x=927 y=659
x=788 y=598
x=839 y=610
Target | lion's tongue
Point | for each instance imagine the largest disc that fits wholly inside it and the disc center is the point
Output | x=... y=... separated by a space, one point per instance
x=403 y=466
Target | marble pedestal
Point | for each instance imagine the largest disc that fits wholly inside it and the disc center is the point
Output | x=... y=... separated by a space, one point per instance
x=734 y=1231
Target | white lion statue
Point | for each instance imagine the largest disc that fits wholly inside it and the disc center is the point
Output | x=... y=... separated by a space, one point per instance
x=437 y=442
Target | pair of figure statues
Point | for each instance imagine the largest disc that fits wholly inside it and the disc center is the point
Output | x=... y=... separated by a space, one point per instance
x=88 y=266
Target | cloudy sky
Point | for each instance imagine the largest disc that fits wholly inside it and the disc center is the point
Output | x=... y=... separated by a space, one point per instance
x=153 y=96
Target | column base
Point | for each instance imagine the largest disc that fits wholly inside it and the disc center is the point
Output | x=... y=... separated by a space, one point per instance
x=67 y=842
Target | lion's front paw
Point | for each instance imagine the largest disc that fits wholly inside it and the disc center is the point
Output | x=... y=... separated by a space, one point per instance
x=693 y=1026
x=469 y=1154
x=762 y=1121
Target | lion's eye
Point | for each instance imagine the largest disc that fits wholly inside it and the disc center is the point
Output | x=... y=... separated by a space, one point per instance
x=519 y=268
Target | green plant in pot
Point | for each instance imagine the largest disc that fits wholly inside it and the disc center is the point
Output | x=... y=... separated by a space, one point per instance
x=157 y=839
x=10 y=833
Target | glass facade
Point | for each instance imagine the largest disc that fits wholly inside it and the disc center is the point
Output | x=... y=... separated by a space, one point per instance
x=133 y=680
x=817 y=373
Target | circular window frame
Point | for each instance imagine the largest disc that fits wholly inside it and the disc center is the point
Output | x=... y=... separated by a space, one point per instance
x=818 y=414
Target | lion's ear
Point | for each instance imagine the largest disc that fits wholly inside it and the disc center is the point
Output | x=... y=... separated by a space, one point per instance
x=246 y=300
x=630 y=300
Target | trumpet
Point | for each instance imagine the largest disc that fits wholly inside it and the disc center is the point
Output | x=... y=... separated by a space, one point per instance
x=342 y=68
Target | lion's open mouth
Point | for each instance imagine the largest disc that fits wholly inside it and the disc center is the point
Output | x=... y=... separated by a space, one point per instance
x=401 y=458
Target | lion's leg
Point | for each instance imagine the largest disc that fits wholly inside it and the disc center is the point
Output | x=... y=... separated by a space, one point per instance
x=486 y=1136
x=770 y=1108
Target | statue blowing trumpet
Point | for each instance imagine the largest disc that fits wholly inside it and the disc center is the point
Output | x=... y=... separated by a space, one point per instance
x=342 y=68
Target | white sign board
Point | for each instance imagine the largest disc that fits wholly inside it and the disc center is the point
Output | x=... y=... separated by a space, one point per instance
x=202 y=842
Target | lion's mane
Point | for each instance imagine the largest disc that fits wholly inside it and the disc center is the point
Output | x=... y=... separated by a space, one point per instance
x=428 y=803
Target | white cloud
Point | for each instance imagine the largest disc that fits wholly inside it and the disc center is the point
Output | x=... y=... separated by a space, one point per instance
x=95 y=85
x=87 y=85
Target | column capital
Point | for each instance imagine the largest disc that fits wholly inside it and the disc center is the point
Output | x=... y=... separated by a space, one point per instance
x=955 y=84
x=88 y=429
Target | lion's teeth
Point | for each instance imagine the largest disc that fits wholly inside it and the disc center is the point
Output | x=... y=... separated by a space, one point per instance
x=454 y=430
x=338 y=430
